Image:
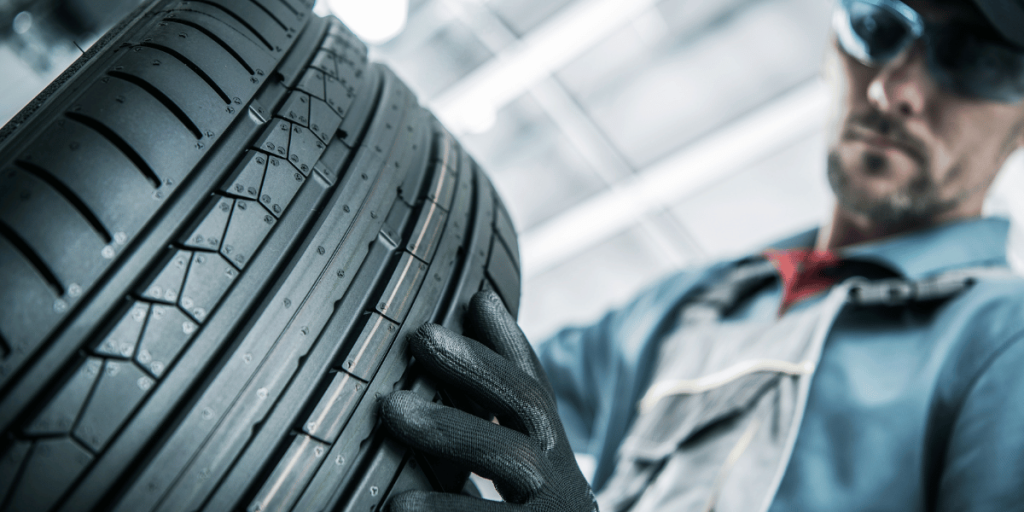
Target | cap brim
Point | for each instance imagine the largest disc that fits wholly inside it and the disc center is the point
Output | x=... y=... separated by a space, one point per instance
x=1007 y=16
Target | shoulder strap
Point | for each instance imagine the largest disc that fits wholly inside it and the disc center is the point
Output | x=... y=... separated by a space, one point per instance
x=898 y=291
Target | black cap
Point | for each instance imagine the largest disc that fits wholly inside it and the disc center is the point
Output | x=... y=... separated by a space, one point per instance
x=1007 y=17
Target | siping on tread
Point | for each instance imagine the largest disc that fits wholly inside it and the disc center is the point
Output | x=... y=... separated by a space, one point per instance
x=278 y=215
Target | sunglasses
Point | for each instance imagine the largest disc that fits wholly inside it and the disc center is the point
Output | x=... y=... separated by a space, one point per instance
x=967 y=60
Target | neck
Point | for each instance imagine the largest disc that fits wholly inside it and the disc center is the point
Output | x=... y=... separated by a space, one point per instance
x=847 y=228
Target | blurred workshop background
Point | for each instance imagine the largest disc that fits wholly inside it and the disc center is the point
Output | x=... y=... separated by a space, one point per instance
x=629 y=138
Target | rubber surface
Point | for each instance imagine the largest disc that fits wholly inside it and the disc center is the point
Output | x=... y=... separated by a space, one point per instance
x=216 y=230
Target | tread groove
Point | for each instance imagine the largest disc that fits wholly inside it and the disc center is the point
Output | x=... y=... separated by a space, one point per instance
x=120 y=143
x=236 y=18
x=195 y=69
x=5 y=348
x=163 y=99
x=289 y=6
x=69 y=195
x=32 y=256
x=264 y=9
x=216 y=39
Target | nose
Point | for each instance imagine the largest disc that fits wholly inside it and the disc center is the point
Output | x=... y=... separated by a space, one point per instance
x=902 y=86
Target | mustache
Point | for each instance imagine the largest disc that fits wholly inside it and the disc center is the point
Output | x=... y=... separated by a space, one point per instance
x=888 y=127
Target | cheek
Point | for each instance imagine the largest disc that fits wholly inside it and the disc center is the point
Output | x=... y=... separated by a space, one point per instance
x=973 y=139
x=848 y=80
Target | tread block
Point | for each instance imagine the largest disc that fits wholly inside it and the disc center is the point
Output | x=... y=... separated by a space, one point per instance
x=223 y=72
x=340 y=31
x=23 y=327
x=153 y=69
x=65 y=243
x=324 y=61
x=396 y=222
x=113 y=188
x=427 y=233
x=229 y=36
x=412 y=156
x=165 y=148
x=370 y=348
x=289 y=479
x=274 y=139
x=209 y=277
x=124 y=337
x=402 y=288
x=504 y=273
x=59 y=415
x=296 y=108
x=334 y=158
x=167 y=285
x=350 y=73
x=167 y=332
x=196 y=11
x=248 y=227
x=304 y=149
x=342 y=459
x=334 y=44
x=335 y=407
x=280 y=185
x=282 y=12
x=506 y=231
x=312 y=83
x=210 y=232
x=246 y=179
x=257 y=22
x=442 y=186
x=10 y=465
x=323 y=121
x=52 y=227
x=410 y=479
x=339 y=97
x=121 y=387
x=377 y=478
x=359 y=113
x=446 y=151
x=52 y=466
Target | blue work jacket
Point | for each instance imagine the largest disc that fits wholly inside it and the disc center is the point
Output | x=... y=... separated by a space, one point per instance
x=910 y=408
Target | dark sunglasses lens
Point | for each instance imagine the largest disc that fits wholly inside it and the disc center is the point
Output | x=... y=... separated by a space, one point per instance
x=882 y=32
x=972 y=65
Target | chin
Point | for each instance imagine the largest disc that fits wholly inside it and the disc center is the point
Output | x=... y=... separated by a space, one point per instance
x=881 y=194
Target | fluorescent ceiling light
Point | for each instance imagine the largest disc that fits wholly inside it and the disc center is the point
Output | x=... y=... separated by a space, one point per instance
x=774 y=126
x=374 y=21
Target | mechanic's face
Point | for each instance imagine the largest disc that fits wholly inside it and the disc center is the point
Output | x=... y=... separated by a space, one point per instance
x=904 y=152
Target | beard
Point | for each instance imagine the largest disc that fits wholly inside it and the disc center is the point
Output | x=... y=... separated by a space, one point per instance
x=914 y=203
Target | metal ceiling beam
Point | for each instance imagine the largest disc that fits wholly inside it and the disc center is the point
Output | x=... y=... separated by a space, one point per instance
x=767 y=130
x=546 y=49
x=674 y=243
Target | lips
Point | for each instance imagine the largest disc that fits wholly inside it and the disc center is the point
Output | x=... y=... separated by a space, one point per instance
x=882 y=142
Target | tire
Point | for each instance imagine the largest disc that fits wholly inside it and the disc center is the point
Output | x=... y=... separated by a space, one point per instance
x=216 y=230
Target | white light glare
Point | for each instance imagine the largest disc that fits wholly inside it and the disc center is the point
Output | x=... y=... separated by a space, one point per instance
x=22 y=22
x=374 y=21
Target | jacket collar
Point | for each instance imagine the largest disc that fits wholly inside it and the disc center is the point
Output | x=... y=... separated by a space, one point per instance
x=977 y=242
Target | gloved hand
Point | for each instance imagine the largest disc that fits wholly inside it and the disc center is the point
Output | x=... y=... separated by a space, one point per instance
x=527 y=456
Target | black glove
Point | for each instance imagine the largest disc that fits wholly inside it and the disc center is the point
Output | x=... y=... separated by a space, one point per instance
x=528 y=456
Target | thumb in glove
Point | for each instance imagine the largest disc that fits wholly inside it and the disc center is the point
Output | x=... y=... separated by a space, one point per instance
x=527 y=456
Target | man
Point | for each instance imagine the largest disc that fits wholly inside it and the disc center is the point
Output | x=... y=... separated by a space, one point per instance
x=874 y=364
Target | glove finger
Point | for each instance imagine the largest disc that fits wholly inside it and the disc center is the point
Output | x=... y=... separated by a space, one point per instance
x=421 y=501
x=519 y=400
x=489 y=322
x=492 y=451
